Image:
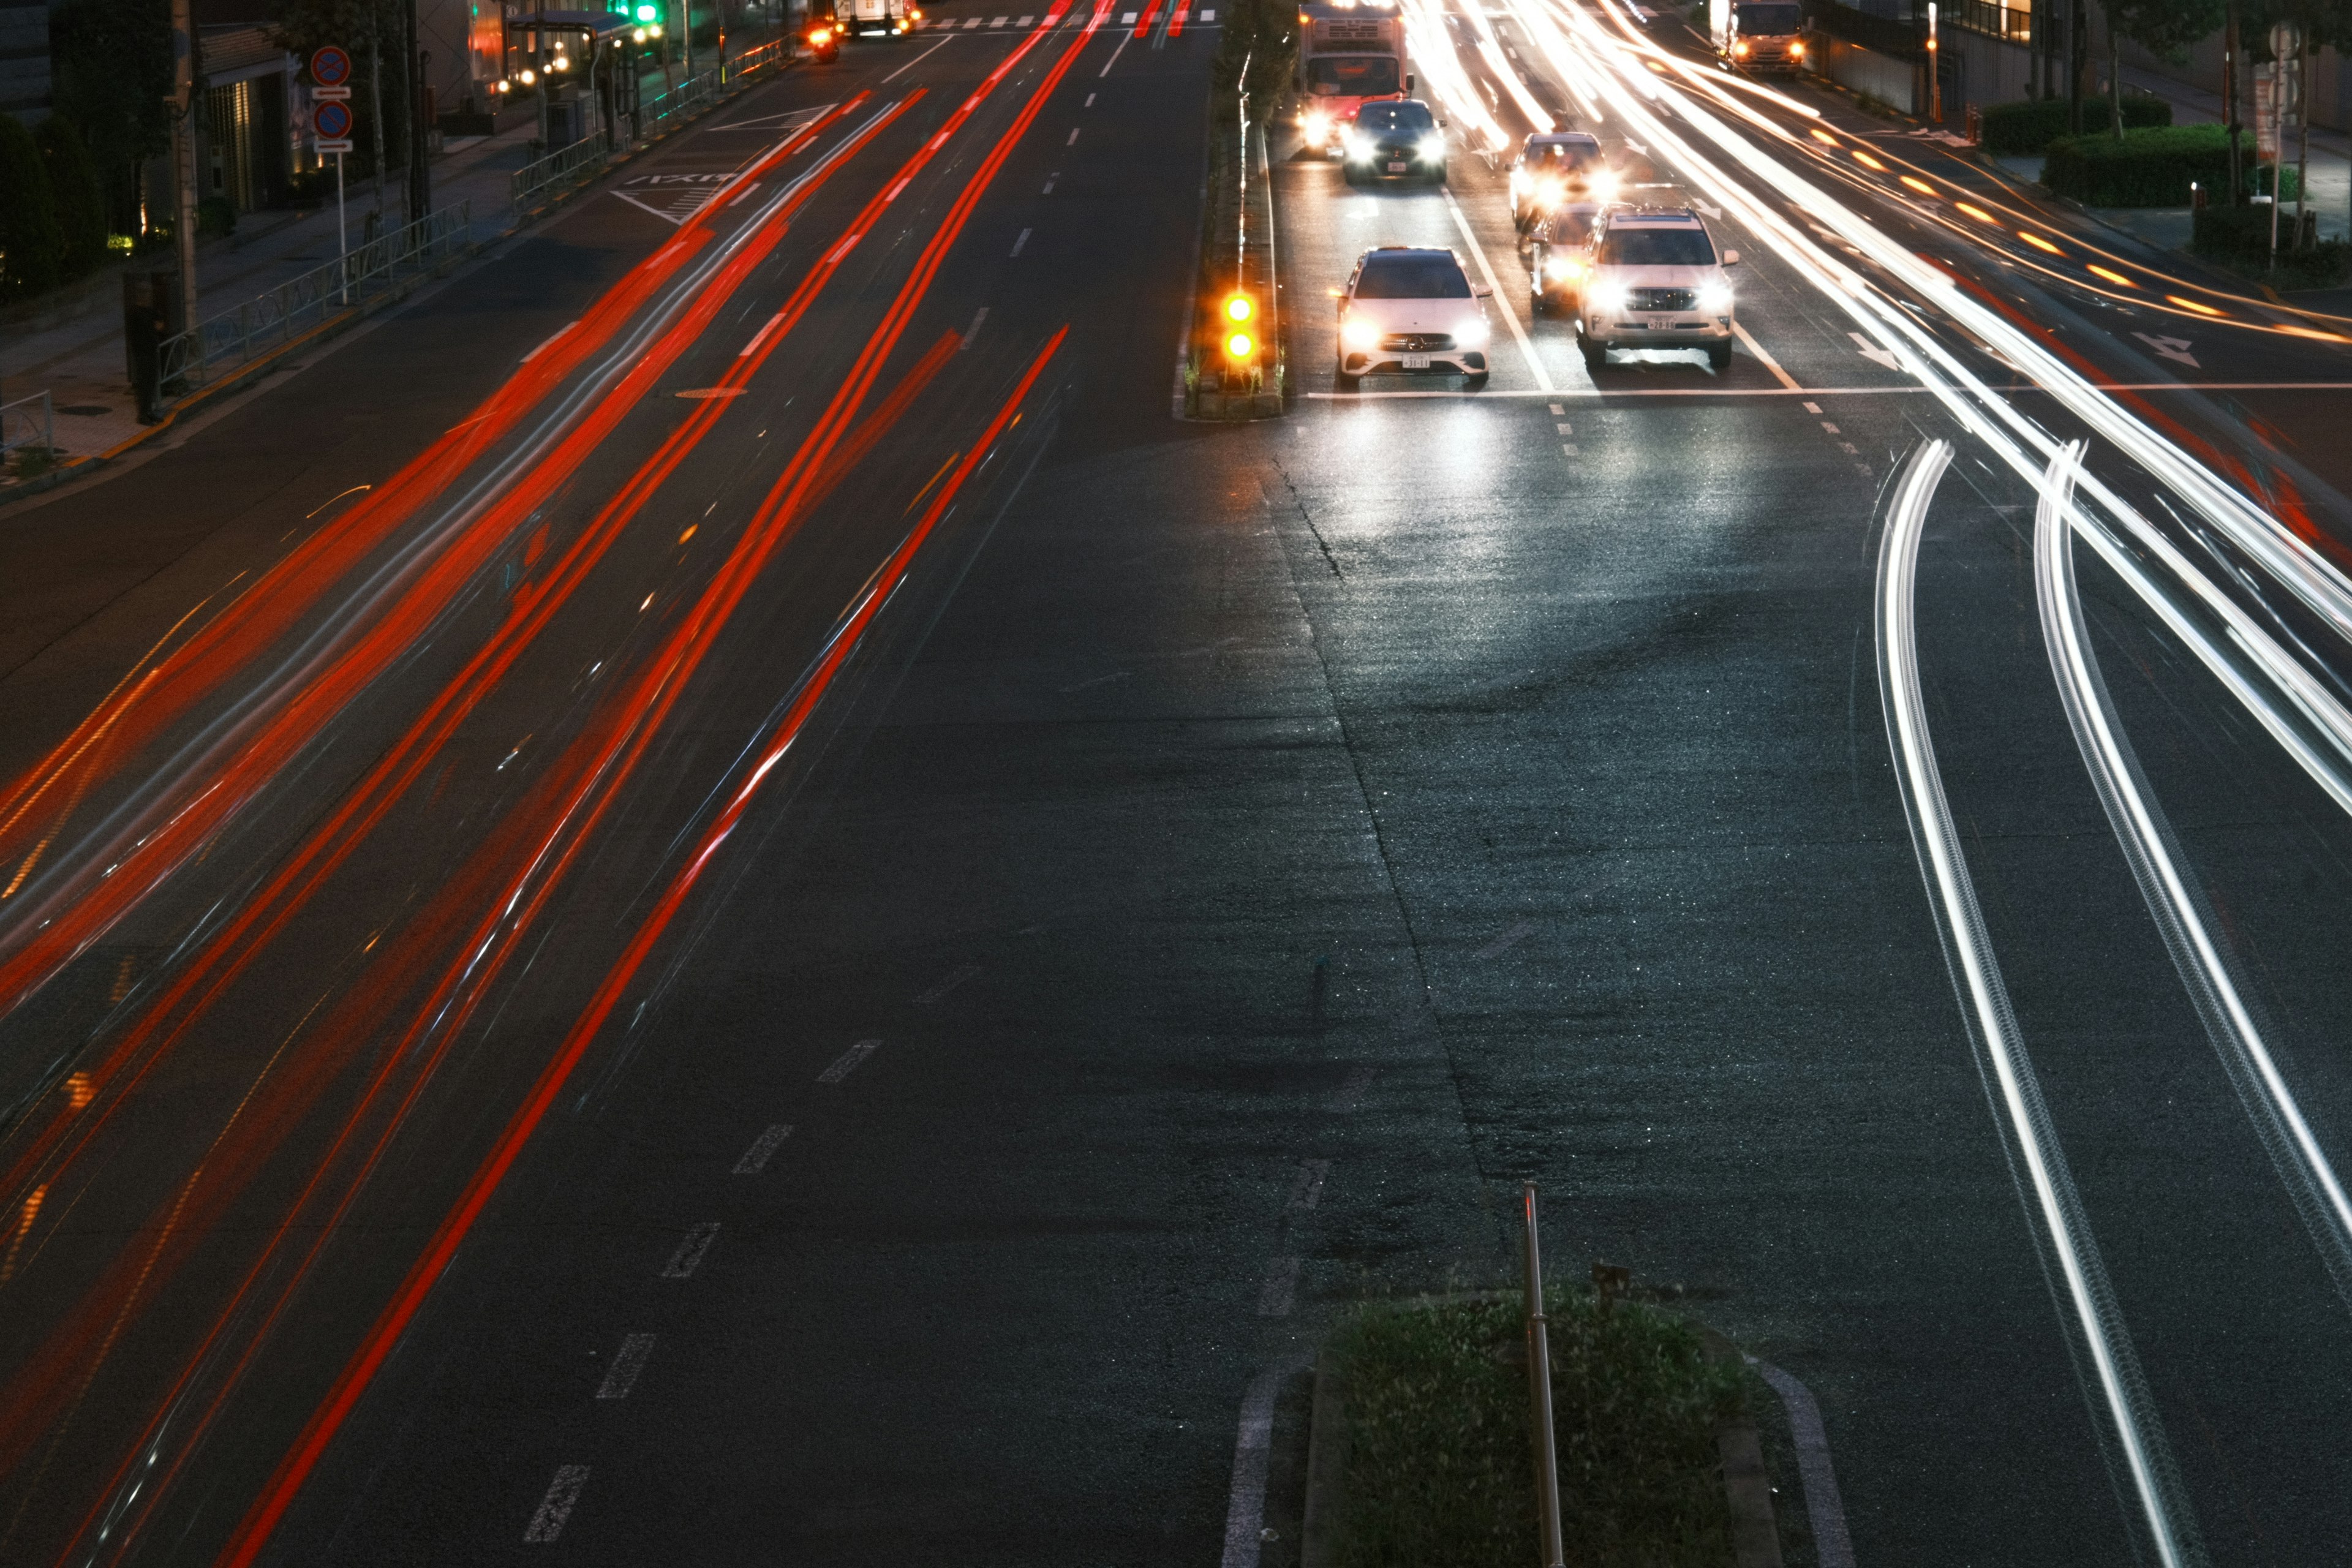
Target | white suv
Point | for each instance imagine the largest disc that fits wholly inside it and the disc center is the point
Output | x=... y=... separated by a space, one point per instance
x=1649 y=278
x=1410 y=310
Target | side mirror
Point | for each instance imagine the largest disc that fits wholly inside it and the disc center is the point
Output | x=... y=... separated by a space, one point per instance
x=1731 y=259
x=1408 y=82
x=1480 y=291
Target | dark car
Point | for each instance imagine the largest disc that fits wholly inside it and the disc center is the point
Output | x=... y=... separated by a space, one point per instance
x=1397 y=139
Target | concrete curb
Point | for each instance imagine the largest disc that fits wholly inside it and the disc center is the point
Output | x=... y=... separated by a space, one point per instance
x=1327 y=1466
x=254 y=369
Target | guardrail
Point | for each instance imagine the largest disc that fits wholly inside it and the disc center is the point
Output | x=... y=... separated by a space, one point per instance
x=212 y=347
x=583 y=160
x=22 y=427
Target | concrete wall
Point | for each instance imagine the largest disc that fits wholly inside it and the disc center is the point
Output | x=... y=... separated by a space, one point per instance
x=1858 y=69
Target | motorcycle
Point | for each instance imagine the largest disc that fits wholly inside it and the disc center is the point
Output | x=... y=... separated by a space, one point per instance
x=824 y=46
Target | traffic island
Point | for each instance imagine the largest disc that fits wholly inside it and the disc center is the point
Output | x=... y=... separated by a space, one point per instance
x=1234 y=364
x=1420 y=1453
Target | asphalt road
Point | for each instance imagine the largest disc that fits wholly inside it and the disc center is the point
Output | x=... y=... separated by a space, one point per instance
x=851 y=967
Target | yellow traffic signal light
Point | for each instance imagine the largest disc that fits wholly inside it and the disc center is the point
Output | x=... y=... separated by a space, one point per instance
x=1239 y=308
x=1239 y=346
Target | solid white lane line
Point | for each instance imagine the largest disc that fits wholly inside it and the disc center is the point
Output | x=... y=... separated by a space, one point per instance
x=548 y=344
x=690 y=1251
x=947 y=982
x=918 y=59
x=1824 y=1509
x=1764 y=359
x=846 y=1063
x=622 y=1375
x=1020 y=242
x=1281 y=1288
x=1985 y=1006
x=1252 y=1447
x=755 y=1158
x=1307 y=1190
x=2173 y=899
x=562 y=1495
x=1502 y=308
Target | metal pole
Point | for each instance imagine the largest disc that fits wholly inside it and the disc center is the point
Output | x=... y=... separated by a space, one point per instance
x=184 y=153
x=1539 y=1392
x=342 y=235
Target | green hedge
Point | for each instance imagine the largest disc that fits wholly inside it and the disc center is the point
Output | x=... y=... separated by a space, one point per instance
x=31 y=245
x=2020 y=130
x=2239 y=239
x=2151 y=168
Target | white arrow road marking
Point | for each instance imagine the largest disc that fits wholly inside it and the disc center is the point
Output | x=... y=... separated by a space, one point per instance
x=1711 y=212
x=1872 y=352
x=2174 y=349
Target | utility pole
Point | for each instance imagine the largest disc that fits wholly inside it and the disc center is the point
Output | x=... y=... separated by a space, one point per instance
x=412 y=75
x=2229 y=96
x=183 y=152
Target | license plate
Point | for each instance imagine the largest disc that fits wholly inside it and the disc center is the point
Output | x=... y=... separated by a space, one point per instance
x=1661 y=323
x=1416 y=361
x=1396 y=168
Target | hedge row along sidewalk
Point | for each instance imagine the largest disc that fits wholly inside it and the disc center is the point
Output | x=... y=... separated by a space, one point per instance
x=2149 y=168
x=1431 y=1466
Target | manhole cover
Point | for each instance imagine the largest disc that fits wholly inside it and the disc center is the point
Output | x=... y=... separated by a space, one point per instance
x=84 y=408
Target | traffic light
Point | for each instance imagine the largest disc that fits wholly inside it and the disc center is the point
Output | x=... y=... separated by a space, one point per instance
x=647 y=13
x=1239 y=309
x=1239 y=345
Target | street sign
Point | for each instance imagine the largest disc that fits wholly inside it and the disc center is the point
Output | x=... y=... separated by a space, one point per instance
x=320 y=94
x=331 y=121
x=331 y=66
x=342 y=146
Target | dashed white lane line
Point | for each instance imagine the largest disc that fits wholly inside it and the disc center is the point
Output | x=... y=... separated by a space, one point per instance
x=947 y=982
x=549 y=343
x=1496 y=948
x=1020 y=242
x=974 y=329
x=1571 y=449
x=1813 y=408
x=1275 y=1297
x=755 y=1158
x=1823 y=1508
x=1245 y=1514
x=1832 y=428
x=971 y=23
x=563 y=1496
x=1766 y=359
x=1049 y=181
x=1308 y=1191
x=760 y=336
x=690 y=1251
x=1565 y=428
x=1557 y=410
x=622 y=1375
x=1073 y=141
x=1090 y=101
x=1510 y=319
x=846 y=1063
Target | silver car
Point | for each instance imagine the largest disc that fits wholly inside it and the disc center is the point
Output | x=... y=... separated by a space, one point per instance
x=1412 y=310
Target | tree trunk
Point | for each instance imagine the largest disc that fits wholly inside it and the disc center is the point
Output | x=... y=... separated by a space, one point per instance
x=2114 y=81
x=2230 y=100
x=375 y=102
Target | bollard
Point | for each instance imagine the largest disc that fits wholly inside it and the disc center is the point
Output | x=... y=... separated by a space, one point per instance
x=1540 y=1393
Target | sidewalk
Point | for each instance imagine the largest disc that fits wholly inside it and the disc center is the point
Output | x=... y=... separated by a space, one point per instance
x=2330 y=193
x=79 y=359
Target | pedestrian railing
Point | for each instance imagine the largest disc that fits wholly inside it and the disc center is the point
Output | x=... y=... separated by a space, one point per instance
x=29 y=424
x=213 y=347
x=565 y=167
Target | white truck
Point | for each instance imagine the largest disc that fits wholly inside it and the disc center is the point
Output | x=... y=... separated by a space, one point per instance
x=1757 y=35
x=868 y=18
x=1350 y=52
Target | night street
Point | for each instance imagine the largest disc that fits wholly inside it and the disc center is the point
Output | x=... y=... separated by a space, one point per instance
x=708 y=894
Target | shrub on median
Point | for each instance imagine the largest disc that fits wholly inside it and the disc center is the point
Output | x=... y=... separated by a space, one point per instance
x=2151 y=168
x=2022 y=130
x=2240 y=239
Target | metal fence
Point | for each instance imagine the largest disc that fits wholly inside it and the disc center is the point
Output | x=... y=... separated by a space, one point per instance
x=211 y=348
x=30 y=423
x=567 y=166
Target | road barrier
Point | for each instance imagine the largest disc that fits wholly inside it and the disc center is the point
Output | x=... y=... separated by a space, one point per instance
x=213 y=348
x=29 y=424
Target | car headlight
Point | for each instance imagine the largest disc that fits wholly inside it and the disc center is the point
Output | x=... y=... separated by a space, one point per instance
x=1362 y=337
x=1604 y=188
x=1433 y=149
x=1471 y=333
x=1548 y=192
x=1715 y=299
x=1796 y=52
x=1607 y=302
x=1359 y=148
x=1319 y=128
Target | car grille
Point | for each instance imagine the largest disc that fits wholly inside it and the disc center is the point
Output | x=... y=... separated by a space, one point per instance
x=1415 y=343
x=1662 y=299
x=1401 y=150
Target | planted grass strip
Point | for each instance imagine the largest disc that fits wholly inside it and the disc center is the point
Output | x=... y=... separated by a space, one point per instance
x=1440 y=1470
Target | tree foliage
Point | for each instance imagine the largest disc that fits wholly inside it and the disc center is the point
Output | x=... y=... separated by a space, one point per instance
x=74 y=192
x=30 y=244
x=1264 y=34
x=110 y=64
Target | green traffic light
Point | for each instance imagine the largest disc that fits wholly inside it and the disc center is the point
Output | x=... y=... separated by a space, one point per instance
x=647 y=13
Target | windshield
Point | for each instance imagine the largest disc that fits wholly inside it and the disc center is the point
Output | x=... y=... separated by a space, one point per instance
x=1412 y=278
x=1768 y=19
x=1656 y=247
x=1352 y=75
x=1406 y=116
x=1562 y=157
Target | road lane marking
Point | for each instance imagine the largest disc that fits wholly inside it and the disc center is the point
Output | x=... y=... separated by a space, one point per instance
x=1020 y=242
x=548 y=344
x=1766 y=359
x=1089 y=103
x=1496 y=948
x=1557 y=410
x=1813 y=408
x=562 y=1495
x=918 y=59
x=973 y=331
x=975 y=22
x=760 y=336
x=1568 y=449
x=1564 y=428
x=755 y=1158
x=1832 y=428
x=1275 y=1297
x=622 y=1375
x=1073 y=141
x=1253 y=1449
x=1510 y=317
x=1833 y=1547
x=1307 y=1190
x=1123 y=40
x=948 y=982
x=846 y=1063
x=690 y=1250
x=1049 y=182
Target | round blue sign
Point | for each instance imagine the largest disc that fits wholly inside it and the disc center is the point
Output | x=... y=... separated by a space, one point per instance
x=331 y=67
x=332 y=121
